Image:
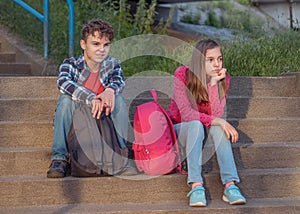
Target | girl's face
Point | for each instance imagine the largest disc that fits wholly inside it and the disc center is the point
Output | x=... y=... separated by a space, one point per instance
x=213 y=61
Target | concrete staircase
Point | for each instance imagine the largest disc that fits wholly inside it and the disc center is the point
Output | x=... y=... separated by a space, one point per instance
x=265 y=111
x=9 y=66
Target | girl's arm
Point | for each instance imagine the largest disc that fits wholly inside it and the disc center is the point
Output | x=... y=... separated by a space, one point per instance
x=181 y=99
x=217 y=105
x=229 y=130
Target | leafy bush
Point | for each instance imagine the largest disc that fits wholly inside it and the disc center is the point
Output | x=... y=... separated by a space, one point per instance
x=191 y=19
x=212 y=19
x=254 y=53
x=117 y=12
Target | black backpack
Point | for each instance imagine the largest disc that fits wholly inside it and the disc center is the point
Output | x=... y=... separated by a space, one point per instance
x=93 y=145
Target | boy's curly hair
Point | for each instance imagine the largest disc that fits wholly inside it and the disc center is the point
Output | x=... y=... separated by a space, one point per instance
x=94 y=25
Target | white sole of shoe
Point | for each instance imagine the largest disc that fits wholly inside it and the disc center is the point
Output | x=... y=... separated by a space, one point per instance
x=198 y=204
x=237 y=202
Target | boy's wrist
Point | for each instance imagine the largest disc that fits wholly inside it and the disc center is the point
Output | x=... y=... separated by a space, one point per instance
x=111 y=89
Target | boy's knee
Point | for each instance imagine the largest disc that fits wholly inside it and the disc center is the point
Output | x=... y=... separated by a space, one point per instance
x=119 y=101
x=120 y=105
x=64 y=104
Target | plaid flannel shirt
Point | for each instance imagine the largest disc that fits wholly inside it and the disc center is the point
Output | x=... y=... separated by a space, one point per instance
x=73 y=72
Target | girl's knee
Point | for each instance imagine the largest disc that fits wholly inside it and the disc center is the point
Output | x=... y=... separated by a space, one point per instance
x=216 y=130
x=196 y=127
x=219 y=137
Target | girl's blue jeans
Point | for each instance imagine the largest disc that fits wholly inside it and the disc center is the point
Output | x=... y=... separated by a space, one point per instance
x=191 y=136
x=63 y=120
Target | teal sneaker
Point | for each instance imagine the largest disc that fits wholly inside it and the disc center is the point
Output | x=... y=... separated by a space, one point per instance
x=197 y=197
x=233 y=196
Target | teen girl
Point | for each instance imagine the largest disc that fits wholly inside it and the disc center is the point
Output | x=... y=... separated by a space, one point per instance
x=197 y=108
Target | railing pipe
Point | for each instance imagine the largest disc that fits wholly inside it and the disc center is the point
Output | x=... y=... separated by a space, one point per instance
x=46 y=28
x=45 y=19
x=30 y=10
x=71 y=27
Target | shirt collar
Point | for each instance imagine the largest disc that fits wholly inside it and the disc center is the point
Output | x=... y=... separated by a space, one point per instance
x=83 y=66
x=81 y=62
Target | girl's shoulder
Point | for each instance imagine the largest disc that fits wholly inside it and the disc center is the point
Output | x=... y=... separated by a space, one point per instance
x=181 y=71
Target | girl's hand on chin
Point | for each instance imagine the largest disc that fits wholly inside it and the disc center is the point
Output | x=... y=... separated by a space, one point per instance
x=222 y=73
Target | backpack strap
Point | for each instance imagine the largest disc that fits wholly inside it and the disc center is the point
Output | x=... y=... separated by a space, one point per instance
x=88 y=132
x=154 y=95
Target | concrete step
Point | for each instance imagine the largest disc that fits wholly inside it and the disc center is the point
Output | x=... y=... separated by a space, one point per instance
x=15 y=69
x=240 y=86
x=36 y=191
x=258 y=206
x=256 y=156
x=268 y=129
x=26 y=134
x=267 y=155
x=40 y=133
x=28 y=87
x=24 y=161
x=8 y=57
x=21 y=87
x=29 y=109
x=263 y=107
x=282 y=86
x=241 y=107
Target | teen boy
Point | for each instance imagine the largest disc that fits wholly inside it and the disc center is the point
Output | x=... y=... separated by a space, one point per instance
x=93 y=78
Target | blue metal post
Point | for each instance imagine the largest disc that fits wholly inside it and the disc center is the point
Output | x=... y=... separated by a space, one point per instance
x=30 y=10
x=46 y=28
x=71 y=27
x=44 y=19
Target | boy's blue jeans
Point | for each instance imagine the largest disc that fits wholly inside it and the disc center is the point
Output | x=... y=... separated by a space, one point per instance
x=63 y=120
x=191 y=136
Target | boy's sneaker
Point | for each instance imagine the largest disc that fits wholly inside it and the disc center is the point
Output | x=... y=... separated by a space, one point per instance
x=57 y=169
x=129 y=170
x=232 y=195
x=197 y=197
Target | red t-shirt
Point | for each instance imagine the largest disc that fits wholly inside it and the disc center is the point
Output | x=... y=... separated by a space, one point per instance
x=93 y=83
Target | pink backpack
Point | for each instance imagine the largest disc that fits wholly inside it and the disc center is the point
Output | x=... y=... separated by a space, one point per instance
x=155 y=147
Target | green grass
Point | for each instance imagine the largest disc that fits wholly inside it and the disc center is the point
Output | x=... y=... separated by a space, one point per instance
x=255 y=52
x=264 y=56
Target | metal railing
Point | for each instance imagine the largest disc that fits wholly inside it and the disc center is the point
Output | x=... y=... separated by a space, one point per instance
x=45 y=20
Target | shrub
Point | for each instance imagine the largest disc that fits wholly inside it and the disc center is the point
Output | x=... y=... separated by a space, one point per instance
x=117 y=12
x=264 y=56
x=254 y=53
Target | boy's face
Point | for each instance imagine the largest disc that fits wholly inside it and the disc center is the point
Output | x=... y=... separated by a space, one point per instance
x=95 y=48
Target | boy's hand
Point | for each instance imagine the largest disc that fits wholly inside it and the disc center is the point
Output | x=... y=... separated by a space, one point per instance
x=107 y=98
x=96 y=104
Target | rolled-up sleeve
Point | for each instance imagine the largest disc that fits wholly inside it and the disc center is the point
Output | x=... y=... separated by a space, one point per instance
x=115 y=77
x=67 y=82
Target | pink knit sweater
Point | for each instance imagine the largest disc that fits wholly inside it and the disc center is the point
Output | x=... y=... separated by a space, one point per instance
x=181 y=110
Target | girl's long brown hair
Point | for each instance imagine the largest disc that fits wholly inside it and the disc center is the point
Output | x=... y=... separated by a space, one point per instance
x=196 y=75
